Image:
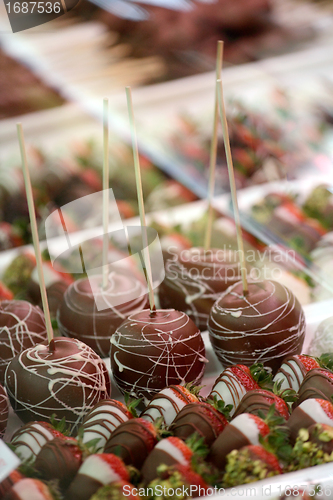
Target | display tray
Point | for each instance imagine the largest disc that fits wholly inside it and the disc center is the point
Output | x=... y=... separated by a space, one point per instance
x=315 y=313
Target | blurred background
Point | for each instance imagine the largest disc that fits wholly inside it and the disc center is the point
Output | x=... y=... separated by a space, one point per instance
x=278 y=81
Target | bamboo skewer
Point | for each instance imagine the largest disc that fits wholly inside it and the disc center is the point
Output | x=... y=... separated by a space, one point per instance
x=213 y=151
x=35 y=239
x=232 y=183
x=105 y=191
x=140 y=201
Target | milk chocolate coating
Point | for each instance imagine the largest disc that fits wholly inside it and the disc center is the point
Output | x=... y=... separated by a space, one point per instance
x=195 y=278
x=201 y=418
x=132 y=441
x=152 y=351
x=79 y=317
x=22 y=325
x=3 y=411
x=265 y=326
x=56 y=460
x=230 y=439
x=152 y=462
x=253 y=402
x=298 y=419
x=82 y=488
x=318 y=384
x=66 y=382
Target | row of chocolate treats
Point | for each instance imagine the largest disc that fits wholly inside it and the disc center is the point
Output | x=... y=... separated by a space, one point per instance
x=263 y=438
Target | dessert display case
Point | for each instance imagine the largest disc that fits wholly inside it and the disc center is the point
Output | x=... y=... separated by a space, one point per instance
x=279 y=112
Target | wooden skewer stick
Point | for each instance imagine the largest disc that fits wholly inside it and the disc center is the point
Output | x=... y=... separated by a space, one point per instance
x=213 y=151
x=35 y=238
x=232 y=184
x=140 y=200
x=105 y=191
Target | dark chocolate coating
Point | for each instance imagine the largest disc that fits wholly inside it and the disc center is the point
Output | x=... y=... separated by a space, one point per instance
x=318 y=384
x=298 y=419
x=26 y=485
x=254 y=401
x=66 y=382
x=201 y=418
x=265 y=326
x=82 y=488
x=152 y=462
x=79 y=317
x=4 y=406
x=230 y=439
x=152 y=351
x=58 y=459
x=22 y=325
x=132 y=441
x=195 y=278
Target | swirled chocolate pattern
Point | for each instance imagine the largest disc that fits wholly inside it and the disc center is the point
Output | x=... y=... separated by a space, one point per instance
x=168 y=403
x=22 y=325
x=264 y=326
x=194 y=280
x=152 y=351
x=317 y=384
x=66 y=382
x=79 y=317
x=103 y=419
x=30 y=439
x=3 y=411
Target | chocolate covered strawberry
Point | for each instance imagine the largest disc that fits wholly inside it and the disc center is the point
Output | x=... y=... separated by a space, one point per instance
x=313 y=446
x=59 y=459
x=180 y=479
x=102 y=420
x=318 y=383
x=30 y=439
x=243 y=430
x=249 y=464
x=168 y=451
x=309 y=412
x=260 y=400
x=168 y=403
x=8 y=483
x=293 y=370
x=96 y=471
x=235 y=381
x=201 y=418
x=121 y=490
x=30 y=489
x=133 y=441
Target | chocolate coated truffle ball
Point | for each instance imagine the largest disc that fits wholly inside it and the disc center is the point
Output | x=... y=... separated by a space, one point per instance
x=67 y=381
x=265 y=326
x=22 y=325
x=195 y=278
x=79 y=317
x=150 y=351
